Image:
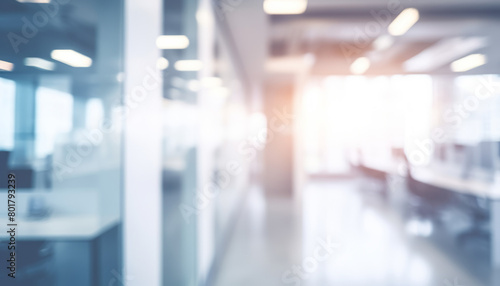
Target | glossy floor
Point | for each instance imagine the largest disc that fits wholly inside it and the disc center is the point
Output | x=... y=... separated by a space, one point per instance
x=335 y=236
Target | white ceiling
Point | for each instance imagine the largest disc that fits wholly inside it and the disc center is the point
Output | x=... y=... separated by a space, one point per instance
x=331 y=4
x=325 y=28
x=327 y=24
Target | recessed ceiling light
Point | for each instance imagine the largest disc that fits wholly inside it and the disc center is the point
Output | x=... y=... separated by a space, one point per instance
x=188 y=65
x=39 y=63
x=172 y=42
x=285 y=7
x=162 y=63
x=221 y=92
x=469 y=62
x=360 y=66
x=71 y=58
x=211 y=82
x=404 y=22
x=6 y=66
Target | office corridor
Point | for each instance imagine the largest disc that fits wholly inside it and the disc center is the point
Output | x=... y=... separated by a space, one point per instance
x=371 y=244
x=250 y=143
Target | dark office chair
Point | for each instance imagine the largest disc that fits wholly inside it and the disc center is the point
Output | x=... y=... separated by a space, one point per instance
x=478 y=235
x=428 y=200
x=487 y=158
x=372 y=173
x=24 y=176
x=34 y=264
x=440 y=152
x=477 y=208
x=4 y=168
x=468 y=163
x=374 y=181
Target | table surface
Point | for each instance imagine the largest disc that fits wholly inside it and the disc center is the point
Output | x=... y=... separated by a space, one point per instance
x=490 y=190
x=60 y=227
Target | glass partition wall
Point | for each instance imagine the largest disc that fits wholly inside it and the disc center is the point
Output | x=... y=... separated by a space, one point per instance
x=204 y=120
x=63 y=90
x=180 y=135
x=60 y=82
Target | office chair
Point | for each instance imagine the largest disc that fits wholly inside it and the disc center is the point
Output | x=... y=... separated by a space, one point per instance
x=479 y=233
x=374 y=181
x=428 y=200
x=24 y=176
x=34 y=264
x=4 y=168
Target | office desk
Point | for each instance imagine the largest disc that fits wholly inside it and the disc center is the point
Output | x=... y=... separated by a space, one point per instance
x=84 y=238
x=465 y=186
x=75 y=214
x=389 y=168
x=490 y=191
x=85 y=249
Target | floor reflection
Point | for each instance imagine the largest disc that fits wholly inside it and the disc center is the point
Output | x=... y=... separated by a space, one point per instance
x=376 y=245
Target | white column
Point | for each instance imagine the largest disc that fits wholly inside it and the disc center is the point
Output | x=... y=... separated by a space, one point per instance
x=142 y=152
x=205 y=164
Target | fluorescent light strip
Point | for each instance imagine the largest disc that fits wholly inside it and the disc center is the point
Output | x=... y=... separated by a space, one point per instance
x=172 y=42
x=444 y=52
x=360 y=66
x=469 y=62
x=383 y=43
x=71 y=58
x=6 y=66
x=404 y=22
x=39 y=63
x=291 y=64
x=34 y=1
x=188 y=65
x=285 y=7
